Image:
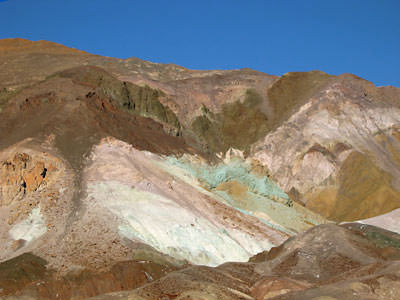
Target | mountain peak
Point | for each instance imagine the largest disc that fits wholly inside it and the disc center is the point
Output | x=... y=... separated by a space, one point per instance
x=121 y=171
x=19 y=45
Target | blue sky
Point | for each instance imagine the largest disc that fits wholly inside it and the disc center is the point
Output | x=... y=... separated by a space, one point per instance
x=275 y=36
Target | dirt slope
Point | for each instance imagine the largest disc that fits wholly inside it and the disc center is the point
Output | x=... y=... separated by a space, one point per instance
x=120 y=166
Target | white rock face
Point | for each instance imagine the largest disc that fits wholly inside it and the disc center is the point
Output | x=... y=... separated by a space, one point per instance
x=389 y=221
x=332 y=119
x=174 y=215
x=314 y=168
x=127 y=197
x=170 y=228
x=29 y=229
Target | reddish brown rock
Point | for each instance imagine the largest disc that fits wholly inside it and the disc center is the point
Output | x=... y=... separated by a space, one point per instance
x=27 y=275
x=269 y=287
x=326 y=262
x=332 y=142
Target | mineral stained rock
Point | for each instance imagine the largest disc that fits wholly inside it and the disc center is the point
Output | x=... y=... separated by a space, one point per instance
x=152 y=181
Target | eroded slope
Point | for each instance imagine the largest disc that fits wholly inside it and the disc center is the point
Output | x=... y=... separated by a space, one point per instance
x=326 y=262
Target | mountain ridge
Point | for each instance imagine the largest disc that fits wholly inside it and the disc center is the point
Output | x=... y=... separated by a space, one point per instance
x=112 y=166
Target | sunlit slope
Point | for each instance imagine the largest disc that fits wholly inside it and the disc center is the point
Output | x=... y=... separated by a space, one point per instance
x=176 y=204
x=338 y=152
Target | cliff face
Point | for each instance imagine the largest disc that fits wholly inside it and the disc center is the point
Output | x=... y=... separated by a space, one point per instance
x=341 y=150
x=105 y=160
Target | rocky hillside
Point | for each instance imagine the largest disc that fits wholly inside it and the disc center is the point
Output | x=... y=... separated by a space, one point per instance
x=116 y=172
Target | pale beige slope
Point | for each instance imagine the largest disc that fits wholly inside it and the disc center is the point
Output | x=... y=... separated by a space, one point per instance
x=339 y=151
x=389 y=221
x=127 y=198
x=328 y=262
x=173 y=215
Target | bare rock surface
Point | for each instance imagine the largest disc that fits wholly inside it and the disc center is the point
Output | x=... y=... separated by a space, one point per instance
x=326 y=262
x=154 y=181
x=340 y=151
